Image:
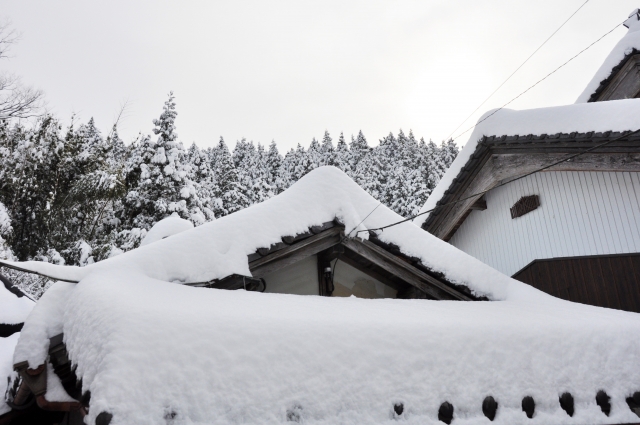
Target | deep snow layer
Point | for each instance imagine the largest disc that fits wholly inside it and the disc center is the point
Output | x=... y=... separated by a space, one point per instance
x=615 y=115
x=630 y=41
x=147 y=349
x=220 y=248
x=166 y=227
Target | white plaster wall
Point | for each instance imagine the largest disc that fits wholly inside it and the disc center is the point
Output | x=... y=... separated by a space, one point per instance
x=581 y=213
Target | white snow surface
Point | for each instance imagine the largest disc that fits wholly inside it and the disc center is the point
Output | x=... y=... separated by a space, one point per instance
x=615 y=115
x=166 y=227
x=630 y=41
x=7 y=345
x=55 y=390
x=149 y=349
x=145 y=348
x=13 y=309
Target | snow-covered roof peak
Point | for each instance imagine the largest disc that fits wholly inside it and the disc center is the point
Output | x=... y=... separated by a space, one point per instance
x=625 y=47
x=633 y=23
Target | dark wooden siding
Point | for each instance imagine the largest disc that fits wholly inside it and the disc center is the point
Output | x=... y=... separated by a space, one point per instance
x=611 y=281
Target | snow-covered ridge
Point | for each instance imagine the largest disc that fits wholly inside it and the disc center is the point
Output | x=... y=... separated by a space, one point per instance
x=615 y=115
x=628 y=43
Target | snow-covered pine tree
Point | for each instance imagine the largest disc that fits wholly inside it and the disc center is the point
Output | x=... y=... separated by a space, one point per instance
x=287 y=171
x=315 y=156
x=369 y=174
x=164 y=187
x=273 y=163
x=448 y=152
x=358 y=149
x=231 y=191
x=326 y=150
x=251 y=166
x=204 y=180
x=342 y=156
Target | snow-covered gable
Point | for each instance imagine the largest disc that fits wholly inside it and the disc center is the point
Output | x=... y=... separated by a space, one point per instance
x=615 y=115
x=151 y=351
x=628 y=45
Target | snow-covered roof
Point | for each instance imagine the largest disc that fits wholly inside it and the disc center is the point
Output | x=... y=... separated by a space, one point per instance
x=614 y=115
x=152 y=351
x=14 y=310
x=628 y=45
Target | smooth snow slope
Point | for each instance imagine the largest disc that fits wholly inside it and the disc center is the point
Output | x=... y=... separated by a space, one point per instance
x=614 y=115
x=630 y=41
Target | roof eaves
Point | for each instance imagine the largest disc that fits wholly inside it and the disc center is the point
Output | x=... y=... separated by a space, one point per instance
x=614 y=71
x=488 y=143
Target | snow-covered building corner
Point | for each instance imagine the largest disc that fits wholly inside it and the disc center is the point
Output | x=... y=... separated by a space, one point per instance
x=433 y=335
x=551 y=196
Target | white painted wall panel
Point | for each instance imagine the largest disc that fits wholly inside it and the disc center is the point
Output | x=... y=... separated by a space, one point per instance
x=581 y=213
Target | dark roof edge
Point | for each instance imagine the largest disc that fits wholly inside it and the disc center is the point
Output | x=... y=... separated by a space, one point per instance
x=614 y=71
x=558 y=140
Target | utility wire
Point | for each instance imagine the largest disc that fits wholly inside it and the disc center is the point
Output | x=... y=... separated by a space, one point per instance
x=546 y=167
x=518 y=68
x=538 y=82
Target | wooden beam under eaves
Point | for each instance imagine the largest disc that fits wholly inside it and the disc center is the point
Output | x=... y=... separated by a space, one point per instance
x=326 y=245
x=294 y=253
x=405 y=271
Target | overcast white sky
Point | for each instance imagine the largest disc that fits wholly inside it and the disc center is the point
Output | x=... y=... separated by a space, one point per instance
x=288 y=70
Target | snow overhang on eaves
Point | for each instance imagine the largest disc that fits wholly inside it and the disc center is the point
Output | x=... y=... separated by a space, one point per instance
x=507 y=155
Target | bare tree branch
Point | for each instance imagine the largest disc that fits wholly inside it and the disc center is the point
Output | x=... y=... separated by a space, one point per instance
x=16 y=99
x=8 y=37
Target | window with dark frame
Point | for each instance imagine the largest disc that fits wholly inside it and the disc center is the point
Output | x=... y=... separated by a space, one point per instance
x=525 y=205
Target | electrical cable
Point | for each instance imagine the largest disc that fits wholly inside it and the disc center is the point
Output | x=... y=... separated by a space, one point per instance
x=518 y=68
x=333 y=271
x=537 y=82
x=546 y=167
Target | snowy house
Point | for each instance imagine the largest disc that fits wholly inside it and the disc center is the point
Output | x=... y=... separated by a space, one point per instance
x=154 y=340
x=571 y=230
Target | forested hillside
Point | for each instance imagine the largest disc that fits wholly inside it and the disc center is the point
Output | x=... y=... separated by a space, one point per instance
x=76 y=196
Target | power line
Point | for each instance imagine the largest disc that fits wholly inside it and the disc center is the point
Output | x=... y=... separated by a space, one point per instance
x=518 y=68
x=546 y=167
x=538 y=82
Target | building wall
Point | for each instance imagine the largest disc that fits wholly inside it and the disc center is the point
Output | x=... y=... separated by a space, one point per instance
x=581 y=213
x=300 y=278
x=604 y=280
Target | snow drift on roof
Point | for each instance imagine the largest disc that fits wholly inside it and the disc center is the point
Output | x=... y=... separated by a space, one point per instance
x=614 y=115
x=166 y=227
x=624 y=47
x=220 y=248
x=155 y=352
x=148 y=350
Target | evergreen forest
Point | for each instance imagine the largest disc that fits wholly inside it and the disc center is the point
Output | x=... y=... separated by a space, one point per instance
x=72 y=195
